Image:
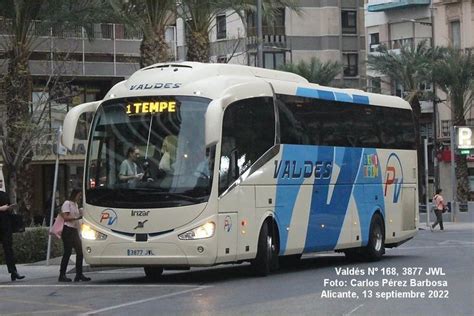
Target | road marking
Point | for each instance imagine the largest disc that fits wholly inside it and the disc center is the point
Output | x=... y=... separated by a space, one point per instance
x=94 y=285
x=74 y=307
x=456 y=242
x=48 y=312
x=352 y=311
x=106 y=309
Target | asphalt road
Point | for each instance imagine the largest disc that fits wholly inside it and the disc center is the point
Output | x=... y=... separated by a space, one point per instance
x=408 y=281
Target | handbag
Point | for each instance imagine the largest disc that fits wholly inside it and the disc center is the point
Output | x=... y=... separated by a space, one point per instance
x=57 y=228
x=16 y=222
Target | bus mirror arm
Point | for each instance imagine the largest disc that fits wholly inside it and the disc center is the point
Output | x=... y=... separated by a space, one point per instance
x=71 y=119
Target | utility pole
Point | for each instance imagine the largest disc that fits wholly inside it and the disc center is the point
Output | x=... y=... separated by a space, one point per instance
x=435 y=108
x=259 y=35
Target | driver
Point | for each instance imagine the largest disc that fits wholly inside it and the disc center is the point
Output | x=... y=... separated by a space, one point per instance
x=128 y=168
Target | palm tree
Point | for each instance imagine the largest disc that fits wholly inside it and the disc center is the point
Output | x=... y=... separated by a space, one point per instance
x=151 y=18
x=22 y=22
x=199 y=16
x=315 y=71
x=411 y=67
x=454 y=74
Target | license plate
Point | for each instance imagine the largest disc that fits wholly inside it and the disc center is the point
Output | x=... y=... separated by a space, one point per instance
x=139 y=252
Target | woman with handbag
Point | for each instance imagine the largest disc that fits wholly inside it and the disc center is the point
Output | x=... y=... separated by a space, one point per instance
x=439 y=207
x=6 y=235
x=70 y=236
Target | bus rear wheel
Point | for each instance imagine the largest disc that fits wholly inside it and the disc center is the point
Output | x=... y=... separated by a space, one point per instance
x=376 y=245
x=264 y=262
x=153 y=273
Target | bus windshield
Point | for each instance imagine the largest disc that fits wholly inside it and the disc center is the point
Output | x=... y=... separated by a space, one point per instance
x=149 y=152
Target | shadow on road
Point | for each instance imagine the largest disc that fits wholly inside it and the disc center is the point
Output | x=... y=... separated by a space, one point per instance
x=238 y=272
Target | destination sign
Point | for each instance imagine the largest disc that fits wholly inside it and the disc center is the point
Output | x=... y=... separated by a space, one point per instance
x=151 y=107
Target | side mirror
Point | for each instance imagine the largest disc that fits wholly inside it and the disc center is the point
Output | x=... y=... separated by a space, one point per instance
x=70 y=122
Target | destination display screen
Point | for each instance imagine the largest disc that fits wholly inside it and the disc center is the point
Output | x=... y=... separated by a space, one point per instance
x=139 y=108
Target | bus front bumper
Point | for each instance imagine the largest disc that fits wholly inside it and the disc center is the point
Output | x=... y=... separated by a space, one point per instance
x=184 y=253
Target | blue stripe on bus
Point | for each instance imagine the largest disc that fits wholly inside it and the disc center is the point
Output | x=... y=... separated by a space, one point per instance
x=306 y=92
x=332 y=95
x=343 y=97
x=326 y=95
x=362 y=99
x=326 y=219
x=288 y=188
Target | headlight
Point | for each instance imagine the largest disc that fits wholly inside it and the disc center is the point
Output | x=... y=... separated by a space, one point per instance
x=88 y=233
x=201 y=232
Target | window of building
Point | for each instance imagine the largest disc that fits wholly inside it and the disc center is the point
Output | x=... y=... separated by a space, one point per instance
x=375 y=85
x=241 y=145
x=350 y=64
x=273 y=60
x=349 y=22
x=445 y=128
x=222 y=59
x=275 y=27
x=221 y=26
x=455 y=34
x=374 y=42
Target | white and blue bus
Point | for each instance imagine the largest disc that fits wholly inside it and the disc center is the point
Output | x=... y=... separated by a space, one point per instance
x=232 y=163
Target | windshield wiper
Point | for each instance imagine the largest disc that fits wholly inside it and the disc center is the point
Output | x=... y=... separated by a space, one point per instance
x=171 y=194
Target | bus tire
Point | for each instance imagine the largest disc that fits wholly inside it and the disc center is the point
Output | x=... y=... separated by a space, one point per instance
x=376 y=244
x=264 y=262
x=153 y=273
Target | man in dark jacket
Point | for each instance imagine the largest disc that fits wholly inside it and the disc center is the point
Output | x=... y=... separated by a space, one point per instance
x=6 y=235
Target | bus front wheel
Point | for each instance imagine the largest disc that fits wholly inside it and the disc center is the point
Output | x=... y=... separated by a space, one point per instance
x=376 y=246
x=153 y=273
x=264 y=262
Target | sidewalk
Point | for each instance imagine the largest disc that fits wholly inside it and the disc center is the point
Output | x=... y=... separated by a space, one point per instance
x=450 y=226
x=39 y=270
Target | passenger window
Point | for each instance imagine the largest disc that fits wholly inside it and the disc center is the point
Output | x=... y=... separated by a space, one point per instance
x=248 y=131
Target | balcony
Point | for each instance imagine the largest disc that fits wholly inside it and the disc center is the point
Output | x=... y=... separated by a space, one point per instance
x=396 y=44
x=385 y=5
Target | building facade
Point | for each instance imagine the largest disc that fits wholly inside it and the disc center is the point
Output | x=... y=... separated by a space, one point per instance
x=439 y=23
x=68 y=69
x=331 y=30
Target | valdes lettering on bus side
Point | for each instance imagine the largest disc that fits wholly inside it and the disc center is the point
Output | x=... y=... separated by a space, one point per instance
x=157 y=85
x=293 y=169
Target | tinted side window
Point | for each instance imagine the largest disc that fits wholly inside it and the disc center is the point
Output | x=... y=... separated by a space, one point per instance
x=309 y=121
x=248 y=131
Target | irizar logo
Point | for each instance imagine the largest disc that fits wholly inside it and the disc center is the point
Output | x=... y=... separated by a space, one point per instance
x=293 y=169
x=393 y=177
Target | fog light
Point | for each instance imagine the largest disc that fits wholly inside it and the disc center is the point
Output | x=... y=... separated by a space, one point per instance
x=88 y=249
x=200 y=249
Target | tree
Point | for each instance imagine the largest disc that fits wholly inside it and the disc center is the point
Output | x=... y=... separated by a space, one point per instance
x=315 y=71
x=151 y=18
x=198 y=17
x=22 y=22
x=411 y=67
x=454 y=74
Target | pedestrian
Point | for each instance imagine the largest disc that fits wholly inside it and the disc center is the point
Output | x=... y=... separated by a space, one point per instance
x=439 y=207
x=72 y=214
x=6 y=235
